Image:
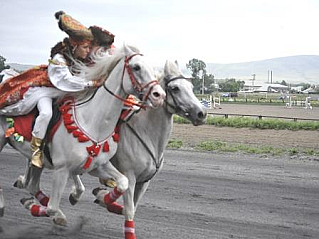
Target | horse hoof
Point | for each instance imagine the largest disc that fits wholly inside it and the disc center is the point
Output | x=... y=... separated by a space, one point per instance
x=18 y=184
x=97 y=201
x=73 y=200
x=60 y=221
x=1 y=212
x=25 y=201
x=95 y=191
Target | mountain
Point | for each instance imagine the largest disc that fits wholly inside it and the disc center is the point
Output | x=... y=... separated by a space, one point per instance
x=292 y=69
x=20 y=67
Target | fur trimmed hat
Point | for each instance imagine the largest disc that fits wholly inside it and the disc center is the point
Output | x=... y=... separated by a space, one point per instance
x=101 y=36
x=76 y=31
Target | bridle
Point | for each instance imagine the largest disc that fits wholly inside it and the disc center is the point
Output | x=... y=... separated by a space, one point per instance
x=175 y=106
x=138 y=87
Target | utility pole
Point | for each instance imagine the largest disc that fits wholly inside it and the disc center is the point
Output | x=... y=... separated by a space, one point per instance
x=252 y=81
x=203 y=86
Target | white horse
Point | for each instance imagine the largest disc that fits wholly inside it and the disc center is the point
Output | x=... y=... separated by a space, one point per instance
x=86 y=141
x=143 y=140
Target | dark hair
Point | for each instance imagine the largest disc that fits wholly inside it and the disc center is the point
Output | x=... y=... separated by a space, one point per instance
x=65 y=48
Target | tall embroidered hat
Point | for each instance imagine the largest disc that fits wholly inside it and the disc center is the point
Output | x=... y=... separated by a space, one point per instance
x=76 y=31
x=102 y=37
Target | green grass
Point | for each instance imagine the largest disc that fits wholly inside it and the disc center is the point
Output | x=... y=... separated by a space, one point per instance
x=248 y=122
x=251 y=149
x=174 y=144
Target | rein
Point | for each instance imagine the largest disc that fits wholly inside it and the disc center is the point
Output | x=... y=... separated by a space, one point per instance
x=138 y=87
x=157 y=163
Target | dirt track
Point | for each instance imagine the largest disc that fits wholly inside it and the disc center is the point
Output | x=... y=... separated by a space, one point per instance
x=191 y=135
x=195 y=196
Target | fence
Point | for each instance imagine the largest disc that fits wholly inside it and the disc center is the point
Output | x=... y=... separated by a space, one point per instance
x=263 y=116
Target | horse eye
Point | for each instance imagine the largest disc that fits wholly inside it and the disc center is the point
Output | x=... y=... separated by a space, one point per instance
x=175 y=89
x=136 y=68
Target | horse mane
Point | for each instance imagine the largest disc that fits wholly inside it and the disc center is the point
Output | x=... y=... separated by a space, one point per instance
x=103 y=64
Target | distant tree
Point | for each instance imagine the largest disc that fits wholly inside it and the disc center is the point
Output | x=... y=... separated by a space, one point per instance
x=196 y=66
x=209 y=83
x=283 y=83
x=231 y=85
x=2 y=63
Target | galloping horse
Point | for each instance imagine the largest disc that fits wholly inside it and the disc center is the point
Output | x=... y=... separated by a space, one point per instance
x=86 y=140
x=144 y=137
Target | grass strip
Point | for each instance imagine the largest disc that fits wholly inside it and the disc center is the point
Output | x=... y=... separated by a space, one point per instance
x=254 y=123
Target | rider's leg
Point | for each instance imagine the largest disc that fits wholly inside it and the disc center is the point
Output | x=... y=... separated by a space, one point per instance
x=40 y=127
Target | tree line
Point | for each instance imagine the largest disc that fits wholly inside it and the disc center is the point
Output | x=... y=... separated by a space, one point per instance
x=200 y=76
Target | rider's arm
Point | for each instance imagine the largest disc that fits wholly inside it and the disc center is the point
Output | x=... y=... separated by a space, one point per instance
x=61 y=77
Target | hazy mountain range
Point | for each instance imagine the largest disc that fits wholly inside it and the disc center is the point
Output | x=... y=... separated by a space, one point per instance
x=292 y=69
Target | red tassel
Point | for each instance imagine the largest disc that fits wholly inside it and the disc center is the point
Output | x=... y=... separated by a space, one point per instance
x=116 y=137
x=71 y=128
x=106 y=147
x=117 y=129
x=67 y=116
x=77 y=133
x=88 y=162
x=94 y=150
x=65 y=108
x=68 y=122
x=83 y=138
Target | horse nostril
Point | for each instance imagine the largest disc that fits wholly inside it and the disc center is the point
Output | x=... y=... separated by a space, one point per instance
x=201 y=115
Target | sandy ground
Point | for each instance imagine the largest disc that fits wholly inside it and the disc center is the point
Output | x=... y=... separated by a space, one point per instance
x=191 y=135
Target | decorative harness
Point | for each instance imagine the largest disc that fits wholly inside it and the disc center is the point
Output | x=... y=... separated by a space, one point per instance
x=176 y=108
x=69 y=118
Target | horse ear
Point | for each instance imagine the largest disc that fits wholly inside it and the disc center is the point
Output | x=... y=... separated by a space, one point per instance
x=176 y=63
x=127 y=50
x=167 y=68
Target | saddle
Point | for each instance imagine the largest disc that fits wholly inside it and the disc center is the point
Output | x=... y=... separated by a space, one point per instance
x=23 y=125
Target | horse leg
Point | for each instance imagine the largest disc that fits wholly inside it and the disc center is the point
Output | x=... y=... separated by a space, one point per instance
x=3 y=139
x=60 y=177
x=129 y=212
x=22 y=180
x=1 y=203
x=77 y=190
x=104 y=197
x=140 y=189
x=34 y=186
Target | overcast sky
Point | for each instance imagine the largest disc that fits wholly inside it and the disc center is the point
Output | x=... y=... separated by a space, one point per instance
x=215 y=31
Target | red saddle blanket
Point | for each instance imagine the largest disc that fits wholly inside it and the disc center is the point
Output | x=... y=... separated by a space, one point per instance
x=23 y=126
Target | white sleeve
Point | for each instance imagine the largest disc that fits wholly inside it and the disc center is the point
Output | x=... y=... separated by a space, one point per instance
x=61 y=77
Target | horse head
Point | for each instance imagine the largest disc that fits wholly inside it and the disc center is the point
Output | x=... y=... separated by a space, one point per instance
x=142 y=78
x=180 y=97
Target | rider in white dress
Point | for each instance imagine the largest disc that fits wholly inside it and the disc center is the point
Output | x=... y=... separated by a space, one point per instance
x=61 y=81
